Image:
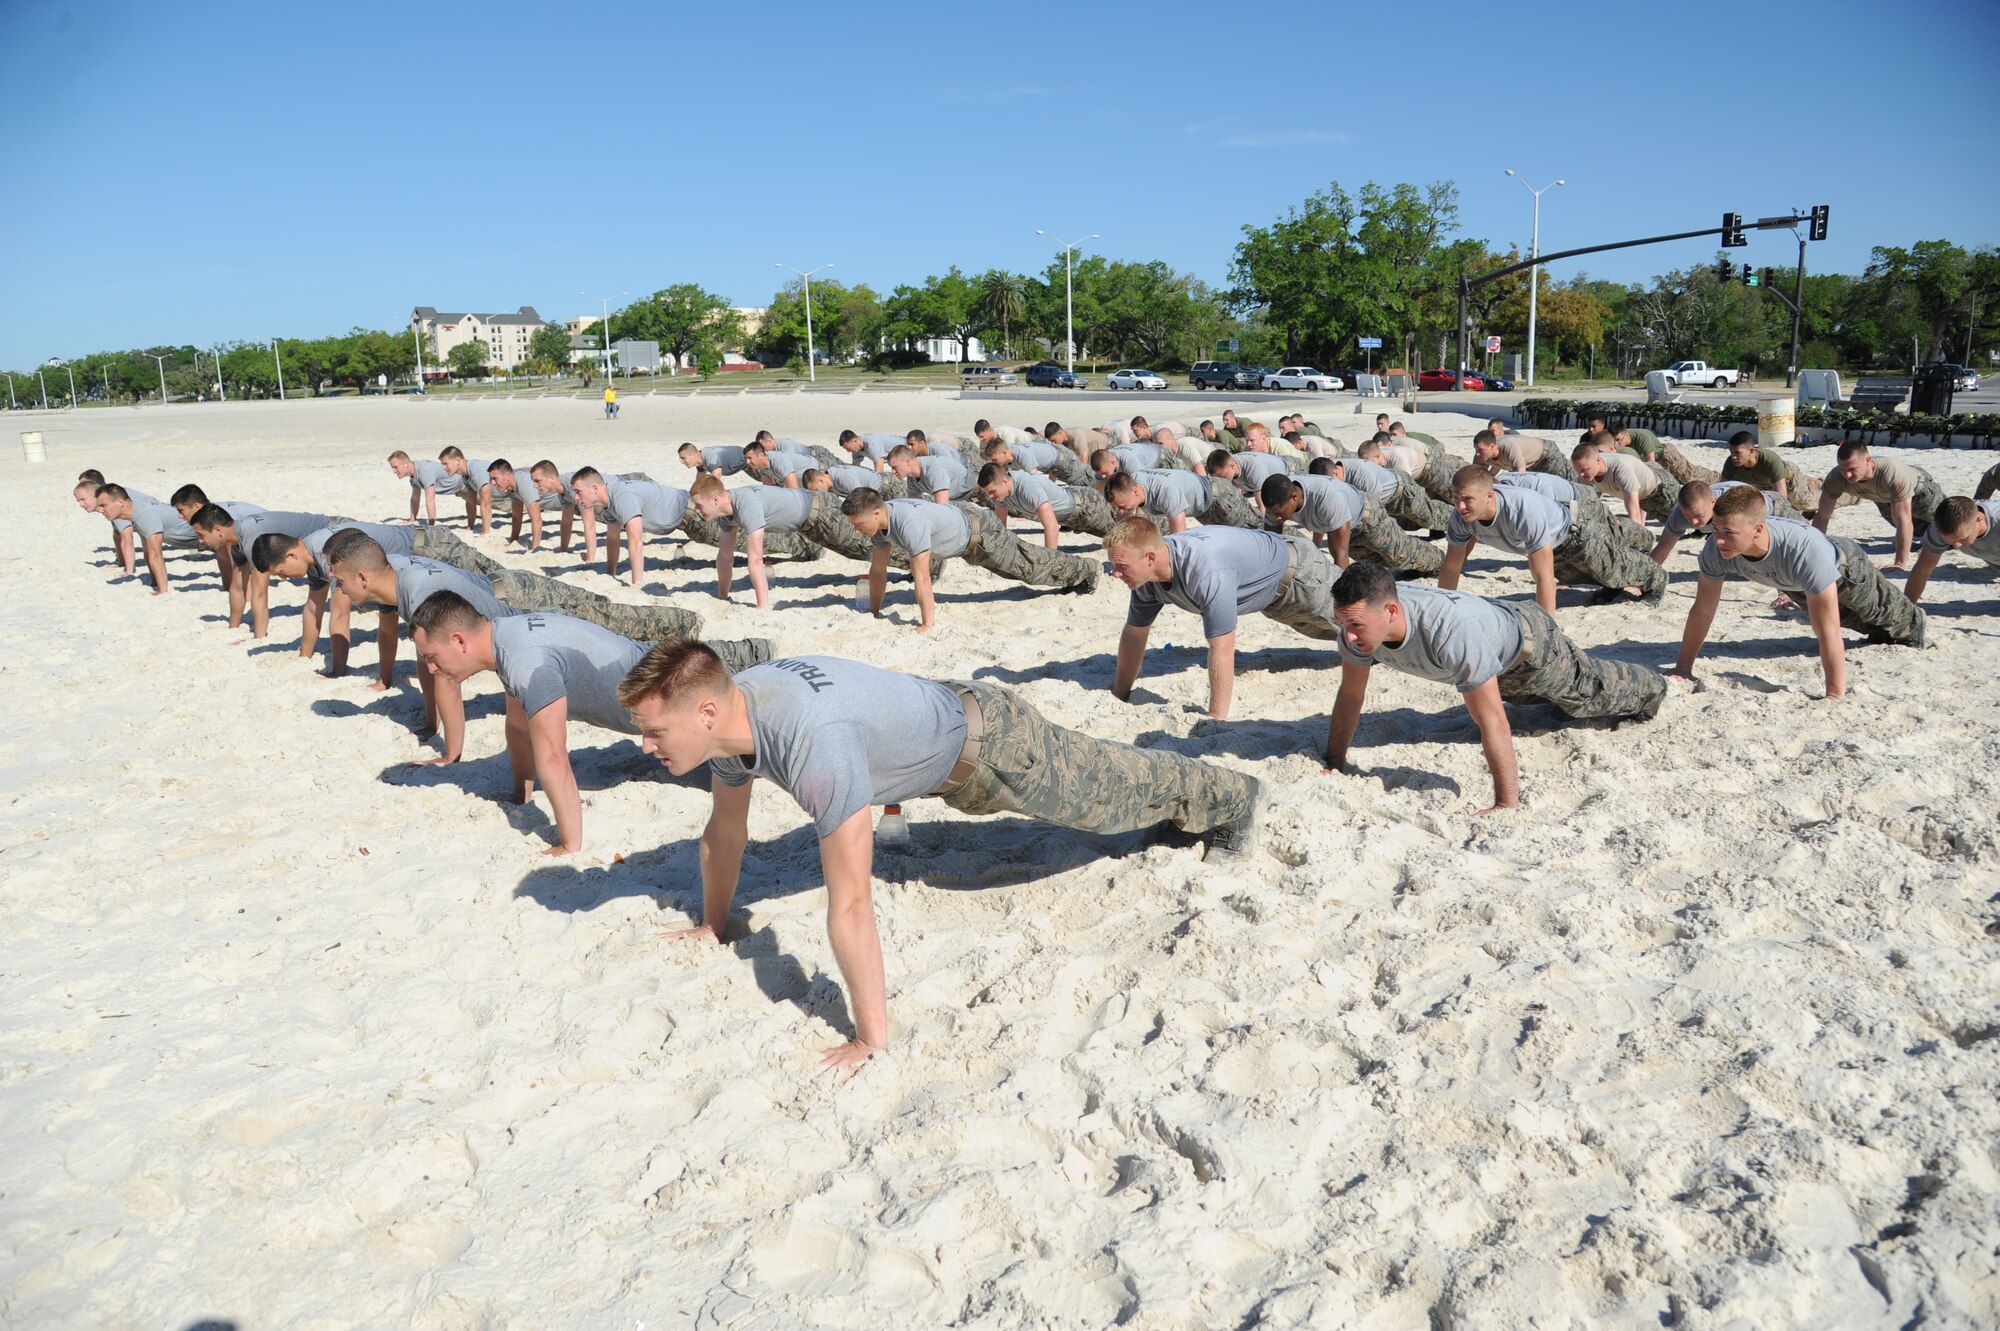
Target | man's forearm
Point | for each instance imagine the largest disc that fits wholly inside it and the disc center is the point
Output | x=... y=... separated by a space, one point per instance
x=1131 y=653
x=1341 y=725
x=1823 y=610
x=1221 y=675
x=451 y=715
x=721 y=864
x=559 y=784
x=260 y=605
x=1051 y=538
x=1664 y=547
x=1905 y=530
x=1920 y=576
x=1454 y=563
x=385 y=643
x=1694 y=635
x=920 y=575
x=156 y=564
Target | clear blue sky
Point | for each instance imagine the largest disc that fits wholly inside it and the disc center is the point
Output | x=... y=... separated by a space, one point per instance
x=198 y=173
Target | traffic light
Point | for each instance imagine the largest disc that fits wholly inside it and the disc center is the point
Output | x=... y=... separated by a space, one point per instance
x=1817 y=231
x=1749 y=277
x=1725 y=271
x=1767 y=277
x=1732 y=230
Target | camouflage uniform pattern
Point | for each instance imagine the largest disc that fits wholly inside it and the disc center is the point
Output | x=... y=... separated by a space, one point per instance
x=1414 y=508
x=1988 y=483
x=1374 y=535
x=1092 y=515
x=434 y=542
x=998 y=550
x=1593 y=553
x=1871 y=604
x=1659 y=504
x=789 y=544
x=521 y=590
x=1925 y=497
x=1069 y=469
x=1633 y=535
x=1553 y=669
x=1677 y=466
x=830 y=528
x=1439 y=468
x=1226 y=507
x=1031 y=766
x=1553 y=463
x=1304 y=603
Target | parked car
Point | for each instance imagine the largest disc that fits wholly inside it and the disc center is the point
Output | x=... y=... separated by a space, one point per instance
x=1135 y=380
x=1046 y=375
x=1496 y=384
x=1446 y=380
x=1476 y=382
x=1221 y=374
x=1258 y=374
x=1963 y=378
x=986 y=376
x=1700 y=374
x=1303 y=378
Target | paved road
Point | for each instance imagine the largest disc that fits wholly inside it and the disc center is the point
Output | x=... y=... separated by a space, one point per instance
x=1985 y=400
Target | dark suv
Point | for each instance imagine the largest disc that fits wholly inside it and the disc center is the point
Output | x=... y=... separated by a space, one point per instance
x=1220 y=374
x=1048 y=376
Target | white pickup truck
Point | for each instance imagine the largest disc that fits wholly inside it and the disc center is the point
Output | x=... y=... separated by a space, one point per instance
x=1699 y=374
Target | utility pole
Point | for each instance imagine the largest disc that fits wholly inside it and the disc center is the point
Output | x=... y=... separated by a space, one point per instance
x=279 y=361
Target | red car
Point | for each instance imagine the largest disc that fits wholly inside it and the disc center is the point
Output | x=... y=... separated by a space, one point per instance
x=1445 y=381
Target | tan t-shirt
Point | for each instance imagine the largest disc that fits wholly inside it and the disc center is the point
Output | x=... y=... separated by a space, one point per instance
x=1892 y=481
x=1410 y=457
x=1087 y=441
x=1519 y=452
x=1626 y=475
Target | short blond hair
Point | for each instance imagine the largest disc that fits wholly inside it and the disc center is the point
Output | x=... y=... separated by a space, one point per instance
x=1135 y=533
x=706 y=484
x=399 y=456
x=672 y=671
x=1257 y=427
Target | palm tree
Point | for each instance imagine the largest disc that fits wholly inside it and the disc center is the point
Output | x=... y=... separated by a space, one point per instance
x=1003 y=296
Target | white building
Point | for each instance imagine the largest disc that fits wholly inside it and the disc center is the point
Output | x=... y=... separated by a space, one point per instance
x=506 y=335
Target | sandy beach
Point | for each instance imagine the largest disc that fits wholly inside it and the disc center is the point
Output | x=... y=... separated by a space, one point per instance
x=299 y=1035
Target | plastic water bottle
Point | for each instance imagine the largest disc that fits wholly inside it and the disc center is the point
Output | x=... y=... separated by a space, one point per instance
x=894 y=829
x=861 y=593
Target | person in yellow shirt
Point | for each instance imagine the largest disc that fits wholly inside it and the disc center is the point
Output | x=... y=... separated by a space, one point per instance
x=610 y=403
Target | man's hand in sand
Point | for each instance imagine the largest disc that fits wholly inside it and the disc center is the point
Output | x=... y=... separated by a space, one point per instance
x=699 y=934
x=378 y=686
x=847 y=1056
x=556 y=852
x=1498 y=808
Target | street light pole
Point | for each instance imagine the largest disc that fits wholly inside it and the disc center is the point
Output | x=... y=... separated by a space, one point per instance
x=11 y=404
x=417 y=337
x=161 y=363
x=70 y=370
x=1535 y=273
x=604 y=329
x=220 y=392
x=45 y=389
x=279 y=361
x=1069 y=295
x=806 y=275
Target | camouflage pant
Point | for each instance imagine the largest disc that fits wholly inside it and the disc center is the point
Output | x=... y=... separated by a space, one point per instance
x=521 y=590
x=829 y=527
x=1413 y=508
x=444 y=546
x=1677 y=466
x=1593 y=553
x=1988 y=483
x=998 y=550
x=1374 y=535
x=1553 y=463
x=1092 y=515
x=826 y=457
x=1552 y=669
x=1804 y=490
x=1304 y=603
x=1439 y=468
x=1632 y=535
x=1871 y=604
x=1659 y=505
x=1319 y=446
x=1069 y=469
x=1227 y=507
x=788 y=544
x=1029 y=765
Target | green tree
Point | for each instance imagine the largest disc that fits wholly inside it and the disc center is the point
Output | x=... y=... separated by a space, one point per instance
x=684 y=319
x=467 y=358
x=548 y=349
x=1003 y=299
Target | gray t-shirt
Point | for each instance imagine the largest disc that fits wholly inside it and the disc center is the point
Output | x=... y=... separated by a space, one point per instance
x=1036 y=455
x=846 y=480
x=1329 y=505
x=878 y=446
x=417 y=580
x=475 y=477
x=659 y=508
x=839 y=736
x=1253 y=469
x=1523 y=522
x=940 y=472
x=1677 y=524
x=786 y=463
x=298 y=526
x=776 y=507
x=137 y=497
x=156 y=517
x=427 y=474
x=1370 y=478
x=1219 y=573
x=1137 y=457
x=916 y=525
x=1554 y=487
x=1454 y=638
x=1800 y=562
x=525 y=493
x=393 y=539
x=1986 y=549
x=725 y=458
x=1172 y=494
x=542 y=656
x=1032 y=491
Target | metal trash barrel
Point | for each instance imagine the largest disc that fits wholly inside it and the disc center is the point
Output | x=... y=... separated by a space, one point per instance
x=1931 y=388
x=1777 y=421
x=31 y=446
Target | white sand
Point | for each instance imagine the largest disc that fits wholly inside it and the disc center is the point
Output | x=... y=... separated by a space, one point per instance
x=299 y=1036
